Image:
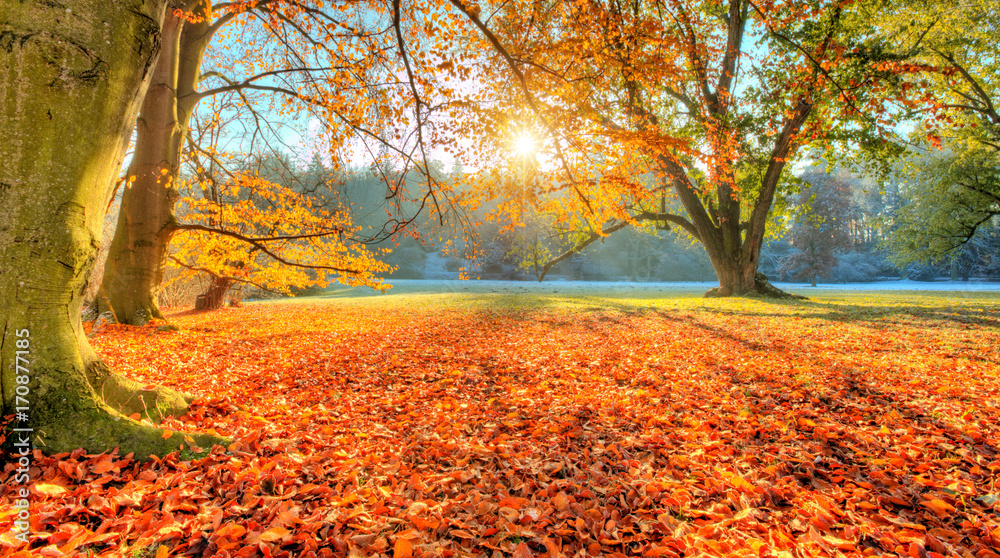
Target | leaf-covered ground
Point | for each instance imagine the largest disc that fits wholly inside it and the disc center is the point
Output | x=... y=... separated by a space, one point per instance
x=506 y=425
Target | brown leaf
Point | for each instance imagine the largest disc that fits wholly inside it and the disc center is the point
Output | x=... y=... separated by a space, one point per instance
x=561 y=501
x=522 y=551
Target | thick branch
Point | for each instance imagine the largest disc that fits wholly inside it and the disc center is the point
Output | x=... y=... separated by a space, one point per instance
x=734 y=44
x=219 y=276
x=591 y=238
x=688 y=226
x=778 y=160
x=261 y=245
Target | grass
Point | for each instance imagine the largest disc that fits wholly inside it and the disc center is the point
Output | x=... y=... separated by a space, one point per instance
x=834 y=304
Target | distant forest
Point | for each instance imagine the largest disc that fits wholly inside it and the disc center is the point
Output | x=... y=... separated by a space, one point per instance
x=837 y=226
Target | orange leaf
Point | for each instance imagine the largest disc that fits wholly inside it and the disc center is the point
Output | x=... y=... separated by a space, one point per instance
x=403 y=549
x=162 y=552
x=560 y=501
x=939 y=507
x=522 y=551
x=135 y=416
x=167 y=434
x=274 y=534
x=231 y=530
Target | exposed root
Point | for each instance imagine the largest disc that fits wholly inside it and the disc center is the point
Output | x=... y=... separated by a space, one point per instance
x=762 y=288
x=98 y=429
x=765 y=289
x=128 y=397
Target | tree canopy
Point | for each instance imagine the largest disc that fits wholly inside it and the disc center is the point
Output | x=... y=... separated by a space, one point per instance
x=706 y=103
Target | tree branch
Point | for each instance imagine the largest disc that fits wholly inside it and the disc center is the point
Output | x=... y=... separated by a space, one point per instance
x=181 y=263
x=260 y=244
x=259 y=239
x=529 y=98
x=591 y=238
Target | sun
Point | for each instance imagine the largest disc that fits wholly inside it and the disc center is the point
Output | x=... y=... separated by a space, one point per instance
x=524 y=144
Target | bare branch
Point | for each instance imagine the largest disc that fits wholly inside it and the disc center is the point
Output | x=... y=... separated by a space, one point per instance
x=591 y=238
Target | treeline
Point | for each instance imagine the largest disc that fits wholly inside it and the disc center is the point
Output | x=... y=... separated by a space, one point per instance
x=835 y=226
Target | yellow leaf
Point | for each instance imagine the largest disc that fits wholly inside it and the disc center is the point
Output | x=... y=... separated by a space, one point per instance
x=49 y=489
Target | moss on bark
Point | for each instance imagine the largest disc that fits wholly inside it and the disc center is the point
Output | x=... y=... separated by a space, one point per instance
x=72 y=75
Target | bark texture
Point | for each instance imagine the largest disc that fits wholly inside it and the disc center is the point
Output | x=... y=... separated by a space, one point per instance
x=215 y=297
x=732 y=240
x=72 y=75
x=146 y=221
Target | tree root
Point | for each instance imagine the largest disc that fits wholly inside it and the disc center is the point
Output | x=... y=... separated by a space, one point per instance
x=96 y=429
x=765 y=289
x=129 y=397
x=762 y=288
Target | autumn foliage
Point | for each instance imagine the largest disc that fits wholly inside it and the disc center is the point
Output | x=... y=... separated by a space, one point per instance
x=251 y=231
x=506 y=426
x=683 y=113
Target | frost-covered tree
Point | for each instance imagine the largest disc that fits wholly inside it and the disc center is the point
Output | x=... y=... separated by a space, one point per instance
x=822 y=224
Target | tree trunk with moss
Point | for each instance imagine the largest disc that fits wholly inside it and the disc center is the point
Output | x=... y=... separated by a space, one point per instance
x=72 y=75
x=137 y=257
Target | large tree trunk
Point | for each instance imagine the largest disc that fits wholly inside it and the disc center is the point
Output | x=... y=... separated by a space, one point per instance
x=72 y=75
x=736 y=268
x=146 y=222
x=215 y=296
x=736 y=276
x=732 y=244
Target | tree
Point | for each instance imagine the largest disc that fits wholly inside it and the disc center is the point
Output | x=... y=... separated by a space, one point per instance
x=251 y=231
x=713 y=100
x=74 y=74
x=314 y=58
x=950 y=196
x=821 y=227
x=951 y=188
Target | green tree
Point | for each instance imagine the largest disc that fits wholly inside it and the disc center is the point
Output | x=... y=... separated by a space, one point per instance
x=950 y=196
x=73 y=76
x=950 y=182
